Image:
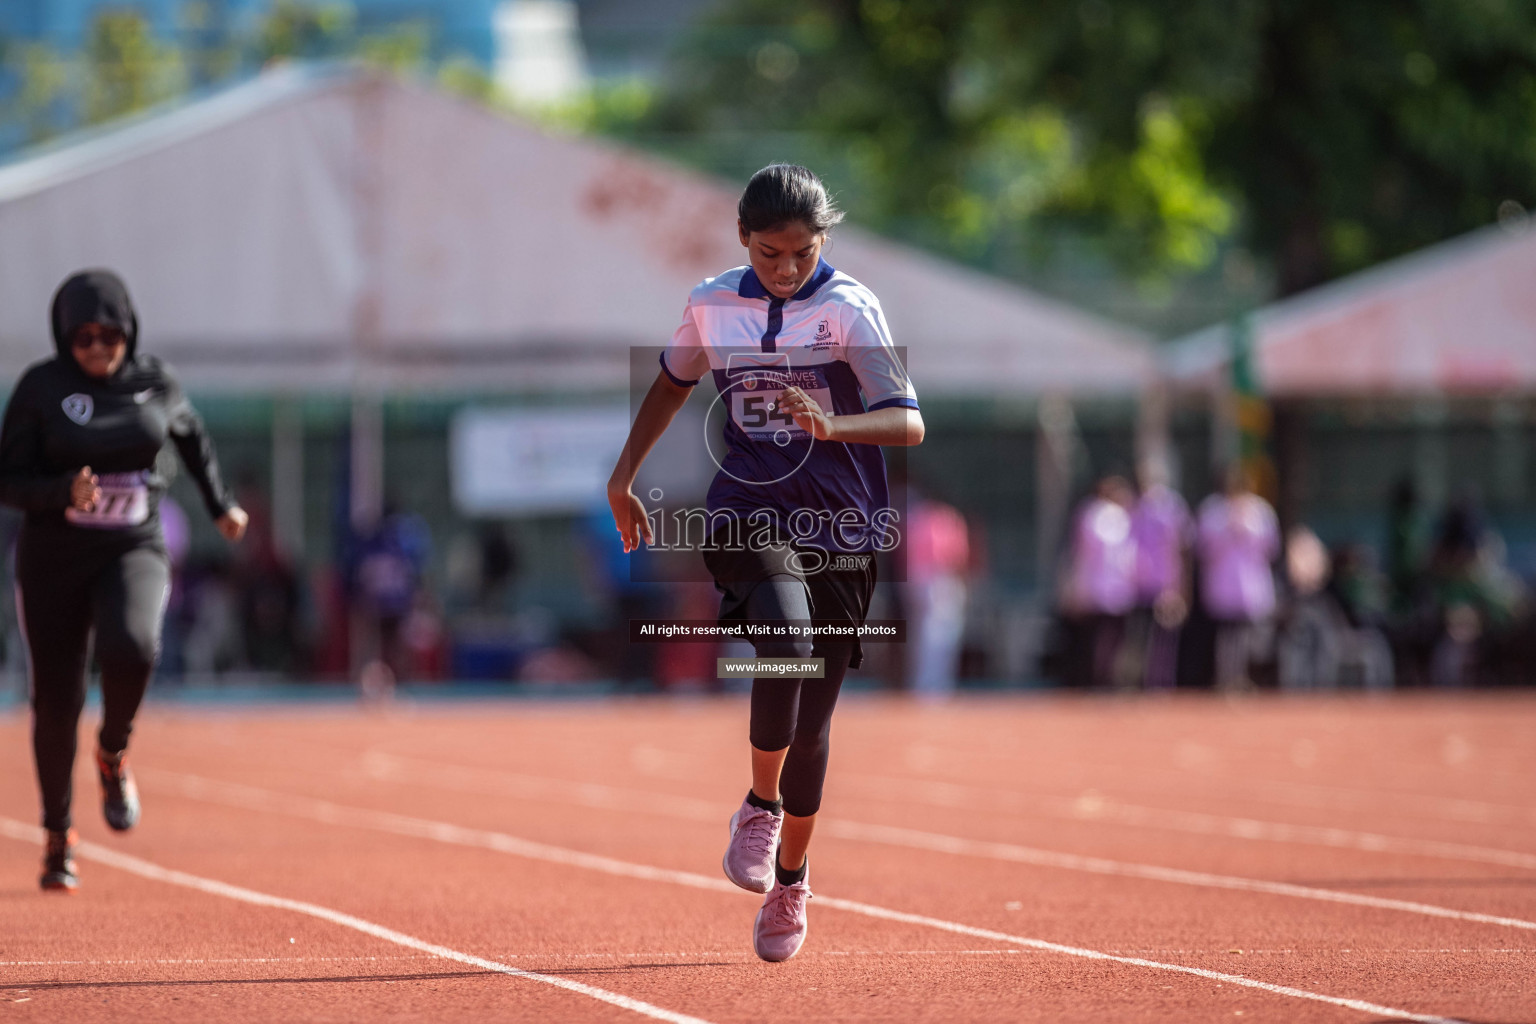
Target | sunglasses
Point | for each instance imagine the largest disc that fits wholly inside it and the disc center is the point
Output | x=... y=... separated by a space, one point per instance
x=82 y=342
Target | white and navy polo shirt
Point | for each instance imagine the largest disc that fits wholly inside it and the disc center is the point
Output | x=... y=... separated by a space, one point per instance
x=831 y=340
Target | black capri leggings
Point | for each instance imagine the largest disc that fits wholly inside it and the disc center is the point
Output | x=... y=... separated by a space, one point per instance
x=64 y=592
x=795 y=713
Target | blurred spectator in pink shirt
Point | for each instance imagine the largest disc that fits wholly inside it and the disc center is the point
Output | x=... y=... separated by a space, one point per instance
x=1238 y=539
x=1162 y=530
x=1100 y=587
x=938 y=556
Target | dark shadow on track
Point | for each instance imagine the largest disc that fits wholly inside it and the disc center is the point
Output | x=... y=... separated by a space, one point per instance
x=39 y=986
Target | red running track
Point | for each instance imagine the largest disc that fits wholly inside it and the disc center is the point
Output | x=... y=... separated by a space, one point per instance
x=1012 y=859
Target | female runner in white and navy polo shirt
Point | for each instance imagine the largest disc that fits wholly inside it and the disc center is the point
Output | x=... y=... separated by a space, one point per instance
x=810 y=387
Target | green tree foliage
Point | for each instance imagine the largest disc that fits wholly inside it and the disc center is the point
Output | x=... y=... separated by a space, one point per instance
x=123 y=67
x=126 y=68
x=1324 y=135
x=294 y=30
x=43 y=80
x=299 y=31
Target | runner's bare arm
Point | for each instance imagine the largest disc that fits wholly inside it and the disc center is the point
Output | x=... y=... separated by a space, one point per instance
x=656 y=412
x=890 y=426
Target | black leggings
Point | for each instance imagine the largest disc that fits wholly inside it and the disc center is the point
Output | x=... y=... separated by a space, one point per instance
x=63 y=594
x=795 y=713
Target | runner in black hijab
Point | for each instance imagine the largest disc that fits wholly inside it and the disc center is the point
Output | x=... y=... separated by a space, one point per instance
x=79 y=454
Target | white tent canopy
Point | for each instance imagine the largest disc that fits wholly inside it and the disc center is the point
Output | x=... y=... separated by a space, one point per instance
x=331 y=228
x=1456 y=318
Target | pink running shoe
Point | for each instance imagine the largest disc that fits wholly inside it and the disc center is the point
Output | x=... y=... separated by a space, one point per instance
x=782 y=923
x=754 y=846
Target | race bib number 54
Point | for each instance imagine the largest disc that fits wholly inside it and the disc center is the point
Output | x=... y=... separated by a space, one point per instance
x=757 y=413
x=124 y=502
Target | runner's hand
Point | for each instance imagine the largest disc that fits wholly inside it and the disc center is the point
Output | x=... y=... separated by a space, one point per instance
x=232 y=524
x=808 y=414
x=630 y=519
x=83 y=490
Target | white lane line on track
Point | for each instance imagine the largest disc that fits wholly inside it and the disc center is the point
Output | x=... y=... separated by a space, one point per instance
x=697 y=954
x=730 y=953
x=391 y=768
x=1091 y=954
x=913 y=839
x=614 y=798
x=1090 y=808
x=676 y=766
x=1313 y=795
x=14 y=829
x=232 y=794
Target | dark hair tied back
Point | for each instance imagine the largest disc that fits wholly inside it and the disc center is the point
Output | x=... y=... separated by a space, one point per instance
x=782 y=193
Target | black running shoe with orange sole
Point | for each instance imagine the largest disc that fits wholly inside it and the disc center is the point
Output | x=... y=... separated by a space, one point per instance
x=59 y=863
x=119 y=793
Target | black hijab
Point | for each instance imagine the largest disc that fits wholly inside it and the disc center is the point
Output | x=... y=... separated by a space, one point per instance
x=93 y=297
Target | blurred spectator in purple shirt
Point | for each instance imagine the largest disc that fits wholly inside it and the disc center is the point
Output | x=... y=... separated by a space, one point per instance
x=1238 y=538
x=1162 y=530
x=1100 y=586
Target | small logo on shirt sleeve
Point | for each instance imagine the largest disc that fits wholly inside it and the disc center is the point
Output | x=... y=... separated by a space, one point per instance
x=79 y=408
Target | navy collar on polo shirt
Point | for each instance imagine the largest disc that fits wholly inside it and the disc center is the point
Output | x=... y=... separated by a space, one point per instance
x=752 y=288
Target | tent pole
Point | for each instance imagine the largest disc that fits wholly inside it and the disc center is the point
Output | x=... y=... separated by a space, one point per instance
x=1055 y=453
x=1223 y=426
x=367 y=401
x=367 y=461
x=1153 y=446
x=288 y=477
x=367 y=465
x=367 y=487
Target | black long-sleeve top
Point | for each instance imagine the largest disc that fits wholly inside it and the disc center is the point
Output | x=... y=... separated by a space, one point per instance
x=60 y=419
